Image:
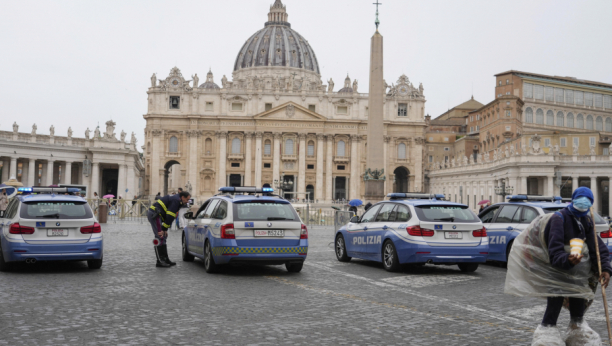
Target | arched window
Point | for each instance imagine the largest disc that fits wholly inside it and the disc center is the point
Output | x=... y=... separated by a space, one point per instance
x=529 y=115
x=550 y=118
x=540 y=117
x=589 y=122
x=236 y=146
x=401 y=151
x=599 y=124
x=149 y=147
x=267 y=148
x=579 y=121
x=570 y=119
x=560 y=119
x=289 y=147
x=340 y=150
x=310 y=149
x=208 y=146
x=173 y=145
x=608 y=125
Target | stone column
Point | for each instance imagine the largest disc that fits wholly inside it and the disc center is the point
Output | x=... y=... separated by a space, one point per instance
x=156 y=154
x=276 y=154
x=354 y=191
x=24 y=172
x=418 y=168
x=95 y=181
x=523 y=187
x=32 y=172
x=130 y=182
x=258 y=158
x=248 y=159
x=5 y=170
x=68 y=174
x=121 y=181
x=222 y=176
x=194 y=135
x=595 y=193
x=13 y=168
x=301 y=187
x=574 y=182
x=319 y=176
x=50 y=163
x=550 y=185
x=329 y=169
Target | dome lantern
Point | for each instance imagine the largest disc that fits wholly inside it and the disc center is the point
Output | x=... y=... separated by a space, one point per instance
x=278 y=14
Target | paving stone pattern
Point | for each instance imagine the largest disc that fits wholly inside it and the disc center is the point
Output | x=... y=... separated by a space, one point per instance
x=130 y=302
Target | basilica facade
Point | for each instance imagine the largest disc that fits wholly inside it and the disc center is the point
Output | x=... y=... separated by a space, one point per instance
x=276 y=122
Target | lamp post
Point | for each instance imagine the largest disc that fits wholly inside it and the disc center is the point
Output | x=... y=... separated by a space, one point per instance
x=283 y=185
x=503 y=190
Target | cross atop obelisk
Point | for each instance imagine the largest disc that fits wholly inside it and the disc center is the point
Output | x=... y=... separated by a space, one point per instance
x=377 y=22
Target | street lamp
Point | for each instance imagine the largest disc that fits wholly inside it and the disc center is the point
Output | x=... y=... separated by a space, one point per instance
x=503 y=190
x=282 y=184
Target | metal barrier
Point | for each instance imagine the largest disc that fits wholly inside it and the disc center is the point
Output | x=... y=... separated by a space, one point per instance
x=122 y=209
x=341 y=218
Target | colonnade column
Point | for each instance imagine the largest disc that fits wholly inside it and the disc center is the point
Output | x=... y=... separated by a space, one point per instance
x=221 y=177
x=248 y=159
x=95 y=181
x=574 y=182
x=523 y=187
x=130 y=182
x=328 y=169
x=550 y=185
x=301 y=187
x=5 y=170
x=155 y=180
x=595 y=193
x=13 y=168
x=258 y=155
x=68 y=174
x=276 y=155
x=32 y=172
x=354 y=167
x=24 y=171
x=121 y=181
x=319 y=177
x=50 y=164
x=419 y=184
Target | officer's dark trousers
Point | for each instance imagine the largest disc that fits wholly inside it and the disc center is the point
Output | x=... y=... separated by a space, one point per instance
x=553 y=309
x=155 y=222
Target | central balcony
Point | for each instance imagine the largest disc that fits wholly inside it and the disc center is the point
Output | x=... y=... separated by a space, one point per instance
x=342 y=159
x=235 y=157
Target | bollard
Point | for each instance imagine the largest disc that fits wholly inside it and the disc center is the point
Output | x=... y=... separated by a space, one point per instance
x=102 y=213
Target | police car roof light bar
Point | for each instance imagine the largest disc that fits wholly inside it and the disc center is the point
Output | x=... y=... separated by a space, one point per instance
x=28 y=190
x=515 y=198
x=246 y=189
x=397 y=195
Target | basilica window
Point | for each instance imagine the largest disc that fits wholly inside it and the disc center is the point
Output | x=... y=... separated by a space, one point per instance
x=588 y=99
x=576 y=141
x=236 y=146
x=539 y=92
x=340 y=149
x=312 y=108
x=598 y=100
x=579 y=98
x=173 y=144
x=528 y=90
x=569 y=96
x=558 y=95
x=267 y=165
x=267 y=148
x=402 y=110
x=608 y=125
x=528 y=115
x=563 y=142
x=342 y=110
x=549 y=94
x=589 y=122
x=237 y=106
x=547 y=142
x=268 y=106
x=401 y=151
x=607 y=101
x=560 y=119
x=209 y=106
x=289 y=147
x=570 y=119
x=508 y=113
x=599 y=124
x=540 y=117
x=311 y=148
x=175 y=102
x=580 y=121
x=550 y=118
x=310 y=167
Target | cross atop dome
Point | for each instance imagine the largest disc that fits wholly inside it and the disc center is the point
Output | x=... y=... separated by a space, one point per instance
x=278 y=14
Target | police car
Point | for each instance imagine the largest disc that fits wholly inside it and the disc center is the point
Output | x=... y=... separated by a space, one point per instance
x=505 y=221
x=246 y=225
x=44 y=224
x=415 y=229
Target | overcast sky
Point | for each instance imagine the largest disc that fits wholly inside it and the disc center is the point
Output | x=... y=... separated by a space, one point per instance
x=80 y=63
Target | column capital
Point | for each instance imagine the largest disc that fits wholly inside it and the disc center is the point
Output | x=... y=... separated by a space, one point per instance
x=278 y=135
x=156 y=132
x=387 y=139
x=221 y=134
x=302 y=136
x=248 y=134
x=259 y=134
x=330 y=138
x=320 y=136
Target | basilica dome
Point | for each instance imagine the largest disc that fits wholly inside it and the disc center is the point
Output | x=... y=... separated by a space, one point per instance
x=277 y=45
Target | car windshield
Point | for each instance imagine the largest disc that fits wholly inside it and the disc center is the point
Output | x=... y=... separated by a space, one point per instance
x=55 y=210
x=598 y=219
x=445 y=213
x=264 y=211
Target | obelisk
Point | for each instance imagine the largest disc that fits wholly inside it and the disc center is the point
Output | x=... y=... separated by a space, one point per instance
x=374 y=183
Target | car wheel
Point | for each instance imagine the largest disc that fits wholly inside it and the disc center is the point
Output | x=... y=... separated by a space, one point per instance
x=294 y=267
x=468 y=267
x=341 y=249
x=4 y=266
x=209 y=262
x=389 y=256
x=508 y=249
x=187 y=257
x=95 y=264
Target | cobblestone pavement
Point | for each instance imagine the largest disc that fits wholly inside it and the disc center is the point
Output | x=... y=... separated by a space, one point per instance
x=130 y=302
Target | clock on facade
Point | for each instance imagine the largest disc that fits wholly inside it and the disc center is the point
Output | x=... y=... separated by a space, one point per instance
x=175 y=82
x=403 y=90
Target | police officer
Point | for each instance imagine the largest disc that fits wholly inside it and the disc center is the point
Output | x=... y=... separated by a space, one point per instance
x=161 y=214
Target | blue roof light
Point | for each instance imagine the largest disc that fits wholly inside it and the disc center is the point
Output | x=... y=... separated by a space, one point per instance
x=246 y=189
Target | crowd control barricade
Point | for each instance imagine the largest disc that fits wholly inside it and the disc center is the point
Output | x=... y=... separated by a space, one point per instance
x=120 y=209
x=341 y=218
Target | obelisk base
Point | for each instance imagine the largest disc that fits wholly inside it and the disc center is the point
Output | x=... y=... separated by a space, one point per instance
x=375 y=189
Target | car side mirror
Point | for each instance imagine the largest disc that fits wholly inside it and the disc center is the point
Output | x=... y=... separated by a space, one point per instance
x=355 y=219
x=189 y=215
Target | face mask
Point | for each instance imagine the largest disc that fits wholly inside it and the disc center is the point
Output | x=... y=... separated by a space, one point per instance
x=582 y=204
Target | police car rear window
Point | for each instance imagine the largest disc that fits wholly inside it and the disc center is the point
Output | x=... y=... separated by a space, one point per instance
x=264 y=210
x=445 y=213
x=55 y=210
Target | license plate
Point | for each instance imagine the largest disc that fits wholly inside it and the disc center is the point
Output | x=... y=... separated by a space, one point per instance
x=453 y=235
x=269 y=233
x=57 y=233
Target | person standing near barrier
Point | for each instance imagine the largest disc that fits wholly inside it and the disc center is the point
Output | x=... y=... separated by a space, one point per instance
x=3 y=202
x=160 y=216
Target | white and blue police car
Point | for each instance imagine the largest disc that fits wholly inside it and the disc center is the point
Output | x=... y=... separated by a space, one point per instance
x=506 y=220
x=45 y=224
x=246 y=225
x=413 y=228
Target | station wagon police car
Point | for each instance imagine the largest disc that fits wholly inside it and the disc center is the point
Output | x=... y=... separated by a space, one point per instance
x=44 y=224
x=415 y=228
x=246 y=225
x=505 y=221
